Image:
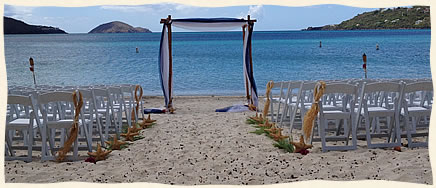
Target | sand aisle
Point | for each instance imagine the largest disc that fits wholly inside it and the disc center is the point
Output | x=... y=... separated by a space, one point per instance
x=199 y=146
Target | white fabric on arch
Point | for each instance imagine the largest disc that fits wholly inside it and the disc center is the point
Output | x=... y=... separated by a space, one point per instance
x=247 y=66
x=164 y=65
x=202 y=26
x=244 y=49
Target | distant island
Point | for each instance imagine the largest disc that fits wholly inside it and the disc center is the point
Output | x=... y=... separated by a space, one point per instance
x=417 y=17
x=118 y=27
x=13 y=26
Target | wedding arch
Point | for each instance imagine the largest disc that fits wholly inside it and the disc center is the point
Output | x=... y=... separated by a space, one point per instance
x=205 y=24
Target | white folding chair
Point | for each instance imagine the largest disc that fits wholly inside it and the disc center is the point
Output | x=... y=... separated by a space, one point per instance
x=379 y=101
x=292 y=103
x=127 y=92
x=89 y=115
x=103 y=106
x=347 y=94
x=25 y=125
x=57 y=103
x=278 y=99
x=416 y=110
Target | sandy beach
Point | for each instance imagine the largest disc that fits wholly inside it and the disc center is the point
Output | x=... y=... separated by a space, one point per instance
x=198 y=146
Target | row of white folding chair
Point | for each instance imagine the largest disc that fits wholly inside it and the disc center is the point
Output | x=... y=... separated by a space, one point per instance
x=109 y=104
x=108 y=111
x=116 y=92
x=298 y=98
x=126 y=90
x=374 y=99
x=44 y=104
x=87 y=96
x=393 y=132
x=305 y=99
x=344 y=112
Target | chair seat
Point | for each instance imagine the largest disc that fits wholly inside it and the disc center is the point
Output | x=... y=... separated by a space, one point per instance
x=377 y=108
x=101 y=110
x=326 y=107
x=65 y=123
x=20 y=124
x=336 y=114
x=416 y=110
x=377 y=111
x=87 y=116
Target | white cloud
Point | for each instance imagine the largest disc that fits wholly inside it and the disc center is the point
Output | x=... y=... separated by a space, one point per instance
x=255 y=12
x=125 y=8
x=19 y=12
x=151 y=9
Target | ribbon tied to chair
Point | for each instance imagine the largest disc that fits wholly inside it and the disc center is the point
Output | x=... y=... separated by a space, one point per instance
x=137 y=99
x=74 y=128
x=318 y=91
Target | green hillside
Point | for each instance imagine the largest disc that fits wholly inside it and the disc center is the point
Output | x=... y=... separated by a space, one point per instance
x=417 y=17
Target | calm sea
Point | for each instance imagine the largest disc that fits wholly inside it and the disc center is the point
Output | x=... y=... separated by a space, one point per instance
x=210 y=63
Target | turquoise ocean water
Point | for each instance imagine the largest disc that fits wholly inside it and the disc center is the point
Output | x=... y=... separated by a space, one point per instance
x=210 y=63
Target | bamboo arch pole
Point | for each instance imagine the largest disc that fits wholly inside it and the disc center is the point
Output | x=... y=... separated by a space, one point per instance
x=170 y=89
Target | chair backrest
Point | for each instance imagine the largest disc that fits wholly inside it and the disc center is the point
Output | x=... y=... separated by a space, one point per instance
x=98 y=92
x=382 y=86
x=56 y=103
x=116 y=94
x=418 y=92
x=86 y=94
x=278 y=87
x=19 y=105
x=307 y=92
x=20 y=100
x=58 y=96
x=340 y=88
x=294 y=90
x=346 y=93
x=382 y=94
x=100 y=97
x=418 y=86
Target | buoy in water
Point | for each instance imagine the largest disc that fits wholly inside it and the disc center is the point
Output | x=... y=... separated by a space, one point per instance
x=320 y=45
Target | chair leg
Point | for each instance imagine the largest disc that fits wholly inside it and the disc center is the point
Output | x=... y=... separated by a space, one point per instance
x=272 y=111
x=397 y=129
x=76 y=149
x=30 y=144
x=44 y=149
x=321 y=129
x=100 y=131
x=51 y=140
x=368 y=132
x=409 y=134
x=9 y=143
x=87 y=137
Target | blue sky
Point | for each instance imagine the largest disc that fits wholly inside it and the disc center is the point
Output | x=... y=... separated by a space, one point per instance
x=83 y=19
